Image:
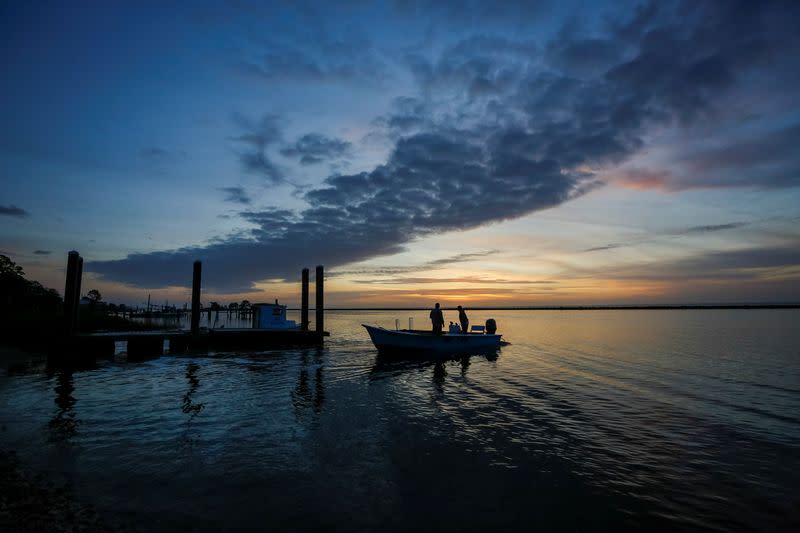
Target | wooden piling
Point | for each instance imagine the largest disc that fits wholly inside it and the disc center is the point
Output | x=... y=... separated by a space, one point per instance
x=198 y=267
x=319 y=307
x=70 y=297
x=76 y=315
x=304 y=302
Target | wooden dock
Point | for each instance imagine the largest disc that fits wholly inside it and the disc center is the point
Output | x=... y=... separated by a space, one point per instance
x=149 y=344
x=80 y=349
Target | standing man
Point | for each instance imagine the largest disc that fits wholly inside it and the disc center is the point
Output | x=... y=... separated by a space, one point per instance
x=437 y=320
x=462 y=317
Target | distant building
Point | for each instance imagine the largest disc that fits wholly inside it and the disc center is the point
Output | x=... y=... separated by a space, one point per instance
x=97 y=306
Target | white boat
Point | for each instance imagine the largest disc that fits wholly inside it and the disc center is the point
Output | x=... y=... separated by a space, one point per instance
x=272 y=316
x=403 y=340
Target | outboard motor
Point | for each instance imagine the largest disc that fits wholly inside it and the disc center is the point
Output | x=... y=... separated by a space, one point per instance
x=491 y=326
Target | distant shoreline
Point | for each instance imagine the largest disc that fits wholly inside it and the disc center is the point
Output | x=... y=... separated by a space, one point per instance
x=576 y=307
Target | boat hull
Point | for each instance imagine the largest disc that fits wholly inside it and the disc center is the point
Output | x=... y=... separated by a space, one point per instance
x=402 y=341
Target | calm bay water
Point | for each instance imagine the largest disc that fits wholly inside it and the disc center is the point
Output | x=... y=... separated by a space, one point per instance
x=589 y=419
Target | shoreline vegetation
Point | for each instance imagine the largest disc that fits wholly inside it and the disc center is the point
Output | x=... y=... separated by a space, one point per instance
x=32 y=316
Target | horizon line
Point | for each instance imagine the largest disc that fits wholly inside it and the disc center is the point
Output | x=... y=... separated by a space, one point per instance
x=573 y=307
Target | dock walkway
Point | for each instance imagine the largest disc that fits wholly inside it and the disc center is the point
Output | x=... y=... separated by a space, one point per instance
x=148 y=344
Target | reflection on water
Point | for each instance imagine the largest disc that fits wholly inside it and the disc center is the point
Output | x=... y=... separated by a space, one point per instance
x=464 y=365
x=303 y=398
x=63 y=426
x=387 y=365
x=589 y=420
x=189 y=406
x=439 y=373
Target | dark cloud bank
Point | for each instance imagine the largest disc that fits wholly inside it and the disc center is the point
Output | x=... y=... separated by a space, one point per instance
x=236 y=195
x=13 y=211
x=315 y=148
x=524 y=128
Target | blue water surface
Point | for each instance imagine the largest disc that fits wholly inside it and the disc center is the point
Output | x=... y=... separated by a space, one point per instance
x=607 y=419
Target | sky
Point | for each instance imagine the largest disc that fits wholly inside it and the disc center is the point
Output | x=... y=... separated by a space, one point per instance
x=478 y=153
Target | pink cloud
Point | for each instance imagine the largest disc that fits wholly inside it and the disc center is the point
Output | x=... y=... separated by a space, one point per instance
x=642 y=178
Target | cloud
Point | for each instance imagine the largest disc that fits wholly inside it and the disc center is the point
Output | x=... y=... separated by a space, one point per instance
x=407 y=115
x=495 y=134
x=257 y=136
x=678 y=232
x=462 y=258
x=347 y=59
x=236 y=195
x=428 y=265
x=42 y=252
x=750 y=274
x=748 y=258
x=153 y=152
x=642 y=178
x=480 y=66
x=471 y=13
x=768 y=161
x=432 y=182
x=610 y=246
x=13 y=211
x=743 y=264
x=687 y=52
x=694 y=230
x=313 y=148
x=583 y=57
x=412 y=281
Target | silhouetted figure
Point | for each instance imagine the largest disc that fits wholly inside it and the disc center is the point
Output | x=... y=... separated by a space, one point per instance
x=437 y=320
x=462 y=317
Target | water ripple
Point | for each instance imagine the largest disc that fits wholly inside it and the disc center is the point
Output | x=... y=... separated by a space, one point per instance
x=651 y=420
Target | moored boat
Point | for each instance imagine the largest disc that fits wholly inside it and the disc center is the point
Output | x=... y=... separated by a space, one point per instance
x=387 y=340
x=272 y=317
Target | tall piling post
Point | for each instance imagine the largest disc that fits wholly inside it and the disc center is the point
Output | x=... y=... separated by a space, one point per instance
x=70 y=298
x=76 y=315
x=320 y=281
x=198 y=267
x=304 y=301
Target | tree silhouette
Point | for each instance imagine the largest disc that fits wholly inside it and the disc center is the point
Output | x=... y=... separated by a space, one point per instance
x=20 y=295
x=94 y=295
x=9 y=269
